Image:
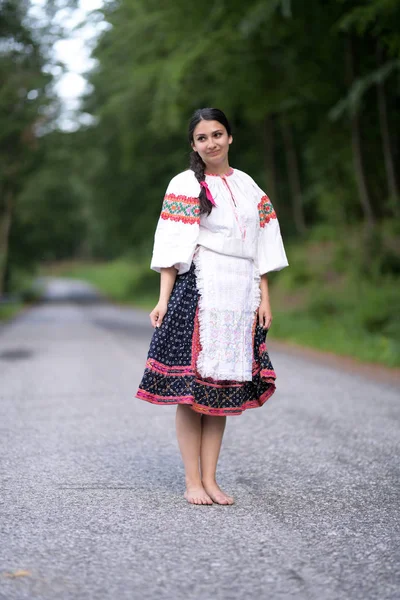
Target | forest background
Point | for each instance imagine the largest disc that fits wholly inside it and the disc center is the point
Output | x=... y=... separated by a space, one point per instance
x=311 y=88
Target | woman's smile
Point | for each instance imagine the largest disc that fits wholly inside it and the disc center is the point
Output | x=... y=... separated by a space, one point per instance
x=211 y=141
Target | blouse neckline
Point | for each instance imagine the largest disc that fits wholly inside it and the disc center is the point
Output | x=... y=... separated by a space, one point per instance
x=230 y=172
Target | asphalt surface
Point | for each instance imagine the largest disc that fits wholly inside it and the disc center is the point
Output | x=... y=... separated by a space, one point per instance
x=91 y=502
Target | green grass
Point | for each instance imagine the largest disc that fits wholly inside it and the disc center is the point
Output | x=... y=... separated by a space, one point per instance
x=114 y=279
x=325 y=301
x=124 y=281
x=338 y=335
x=8 y=311
x=321 y=300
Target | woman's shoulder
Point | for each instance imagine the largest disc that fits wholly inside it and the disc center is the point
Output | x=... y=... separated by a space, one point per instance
x=244 y=176
x=248 y=182
x=184 y=183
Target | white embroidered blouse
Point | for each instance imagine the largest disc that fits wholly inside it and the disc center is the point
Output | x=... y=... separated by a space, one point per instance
x=243 y=223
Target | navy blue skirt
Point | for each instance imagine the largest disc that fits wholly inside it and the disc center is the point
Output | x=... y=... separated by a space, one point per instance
x=170 y=376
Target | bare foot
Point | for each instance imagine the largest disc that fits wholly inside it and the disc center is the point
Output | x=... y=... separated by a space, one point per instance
x=216 y=494
x=197 y=495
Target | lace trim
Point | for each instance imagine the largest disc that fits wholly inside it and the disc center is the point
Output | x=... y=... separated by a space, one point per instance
x=226 y=331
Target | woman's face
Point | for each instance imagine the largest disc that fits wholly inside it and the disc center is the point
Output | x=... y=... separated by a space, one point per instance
x=211 y=141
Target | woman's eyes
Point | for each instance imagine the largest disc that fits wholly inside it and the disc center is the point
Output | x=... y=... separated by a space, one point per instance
x=203 y=139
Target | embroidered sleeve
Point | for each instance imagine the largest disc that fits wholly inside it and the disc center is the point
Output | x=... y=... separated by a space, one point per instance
x=271 y=251
x=177 y=230
x=184 y=209
x=266 y=211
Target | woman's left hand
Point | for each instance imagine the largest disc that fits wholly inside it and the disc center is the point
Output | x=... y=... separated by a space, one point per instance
x=264 y=315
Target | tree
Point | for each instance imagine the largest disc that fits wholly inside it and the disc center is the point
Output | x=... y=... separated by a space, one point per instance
x=22 y=104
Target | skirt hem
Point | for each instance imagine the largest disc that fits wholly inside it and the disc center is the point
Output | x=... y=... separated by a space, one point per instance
x=171 y=374
x=206 y=410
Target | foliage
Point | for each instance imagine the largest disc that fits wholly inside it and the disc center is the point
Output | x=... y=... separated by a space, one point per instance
x=315 y=303
x=126 y=280
x=312 y=93
x=22 y=98
x=263 y=62
x=10 y=310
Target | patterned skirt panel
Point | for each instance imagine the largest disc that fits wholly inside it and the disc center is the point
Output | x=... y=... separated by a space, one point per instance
x=171 y=377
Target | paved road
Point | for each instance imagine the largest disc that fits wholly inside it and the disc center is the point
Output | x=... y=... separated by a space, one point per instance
x=91 y=480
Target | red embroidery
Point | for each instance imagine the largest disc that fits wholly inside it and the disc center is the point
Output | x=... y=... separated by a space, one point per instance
x=169 y=371
x=181 y=208
x=230 y=172
x=163 y=400
x=266 y=211
x=188 y=398
x=196 y=344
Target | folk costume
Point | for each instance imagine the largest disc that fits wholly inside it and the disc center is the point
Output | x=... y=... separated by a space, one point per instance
x=210 y=351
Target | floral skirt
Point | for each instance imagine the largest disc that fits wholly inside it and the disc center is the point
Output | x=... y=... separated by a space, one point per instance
x=171 y=376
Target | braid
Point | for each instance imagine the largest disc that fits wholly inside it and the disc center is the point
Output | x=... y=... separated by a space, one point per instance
x=198 y=167
x=196 y=163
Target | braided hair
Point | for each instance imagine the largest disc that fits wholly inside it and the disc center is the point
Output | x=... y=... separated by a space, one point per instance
x=196 y=162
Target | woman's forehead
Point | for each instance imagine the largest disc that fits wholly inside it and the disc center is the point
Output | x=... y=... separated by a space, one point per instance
x=207 y=127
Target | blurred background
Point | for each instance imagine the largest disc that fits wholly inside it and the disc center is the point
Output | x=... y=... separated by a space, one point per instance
x=95 y=96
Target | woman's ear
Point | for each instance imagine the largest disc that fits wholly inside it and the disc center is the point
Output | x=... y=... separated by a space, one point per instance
x=230 y=139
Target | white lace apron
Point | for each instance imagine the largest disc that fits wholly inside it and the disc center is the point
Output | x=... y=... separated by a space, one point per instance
x=229 y=296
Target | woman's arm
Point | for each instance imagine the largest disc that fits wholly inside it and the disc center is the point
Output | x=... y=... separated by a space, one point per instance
x=167 y=280
x=264 y=310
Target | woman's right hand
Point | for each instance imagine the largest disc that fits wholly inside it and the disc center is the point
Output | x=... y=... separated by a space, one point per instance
x=158 y=313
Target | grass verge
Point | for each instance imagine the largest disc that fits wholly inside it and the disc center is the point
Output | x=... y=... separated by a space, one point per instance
x=124 y=281
x=8 y=311
x=333 y=334
x=316 y=301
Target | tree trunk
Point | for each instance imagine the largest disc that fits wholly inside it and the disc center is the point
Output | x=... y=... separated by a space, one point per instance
x=269 y=158
x=5 y=225
x=357 y=146
x=393 y=188
x=294 y=177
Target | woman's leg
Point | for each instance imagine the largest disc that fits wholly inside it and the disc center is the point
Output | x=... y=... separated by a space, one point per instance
x=188 y=433
x=211 y=439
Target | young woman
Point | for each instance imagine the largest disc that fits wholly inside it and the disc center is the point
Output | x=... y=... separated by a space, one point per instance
x=216 y=240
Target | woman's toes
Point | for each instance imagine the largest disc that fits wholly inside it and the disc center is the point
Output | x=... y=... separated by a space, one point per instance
x=198 y=497
x=217 y=495
x=228 y=499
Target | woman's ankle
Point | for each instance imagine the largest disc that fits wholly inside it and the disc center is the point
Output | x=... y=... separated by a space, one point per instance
x=209 y=480
x=193 y=482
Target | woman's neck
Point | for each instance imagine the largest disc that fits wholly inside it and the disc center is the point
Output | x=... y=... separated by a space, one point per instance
x=221 y=169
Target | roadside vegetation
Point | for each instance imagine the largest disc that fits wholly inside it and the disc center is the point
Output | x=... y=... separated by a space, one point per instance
x=311 y=90
x=323 y=300
x=10 y=310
